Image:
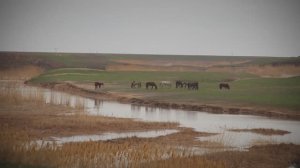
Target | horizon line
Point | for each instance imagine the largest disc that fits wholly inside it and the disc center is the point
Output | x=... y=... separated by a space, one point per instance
x=109 y=53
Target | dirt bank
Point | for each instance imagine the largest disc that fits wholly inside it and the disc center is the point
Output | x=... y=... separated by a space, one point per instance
x=128 y=98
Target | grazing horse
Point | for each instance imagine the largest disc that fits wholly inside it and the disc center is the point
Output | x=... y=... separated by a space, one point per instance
x=136 y=84
x=152 y=84
x=165 y=84
x=193 y=85
x=98 y=85
x=224 y=85
x=179 y=84
x=185 y=84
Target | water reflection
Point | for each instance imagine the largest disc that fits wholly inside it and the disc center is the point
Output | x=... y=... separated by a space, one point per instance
x=135 y=107
x=200 y=121
x=98 y=103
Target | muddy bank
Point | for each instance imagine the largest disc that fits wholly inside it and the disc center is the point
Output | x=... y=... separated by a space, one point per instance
x=73 y=89
x=262 y=131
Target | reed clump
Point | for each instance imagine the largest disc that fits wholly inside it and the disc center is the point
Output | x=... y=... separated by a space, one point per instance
x=20 y=73
x=12 y=94
x=19 y=149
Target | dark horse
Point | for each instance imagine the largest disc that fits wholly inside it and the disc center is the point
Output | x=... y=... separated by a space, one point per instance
x=224 y=85
x=193 y=85
x=179 y=84
x=98 y=85
x=152 y=84
x=136 y=84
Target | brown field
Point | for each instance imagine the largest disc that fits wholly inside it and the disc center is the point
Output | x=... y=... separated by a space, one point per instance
x=263 y=71
x=167 y=65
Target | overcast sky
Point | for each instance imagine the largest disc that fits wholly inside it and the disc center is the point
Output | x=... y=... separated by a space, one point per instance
x=196 y=27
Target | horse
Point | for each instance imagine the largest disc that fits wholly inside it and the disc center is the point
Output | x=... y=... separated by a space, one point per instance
x=224 y=85
x=98 y=85
x=152 y=84
x=193 y=85
x=185 y=84
x=136 y=84
x=165 y=84
x=179 y=84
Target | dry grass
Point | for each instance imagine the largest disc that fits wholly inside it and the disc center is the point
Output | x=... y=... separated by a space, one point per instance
x=269 y=156
x=10 y=96
x=21 y=73
x=191 y=162
x=264 y=71
x=262 y=131
x=15 y=149
x=167 y=65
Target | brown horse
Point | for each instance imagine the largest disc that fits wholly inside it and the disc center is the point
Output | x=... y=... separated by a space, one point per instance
x=98 y=85
x=224 y=85
x=152 y=84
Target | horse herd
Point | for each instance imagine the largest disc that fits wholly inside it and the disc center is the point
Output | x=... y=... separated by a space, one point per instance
x=190 y=85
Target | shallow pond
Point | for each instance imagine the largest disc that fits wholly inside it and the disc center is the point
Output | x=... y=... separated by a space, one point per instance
x=112 y=135
x=200 y=121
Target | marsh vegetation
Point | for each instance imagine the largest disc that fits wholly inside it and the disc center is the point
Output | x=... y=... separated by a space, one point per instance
x=33 y=122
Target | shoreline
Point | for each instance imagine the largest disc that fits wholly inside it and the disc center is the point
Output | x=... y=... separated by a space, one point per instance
x=73 y=89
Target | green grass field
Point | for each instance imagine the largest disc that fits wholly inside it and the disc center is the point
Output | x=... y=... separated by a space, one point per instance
x=246 y=89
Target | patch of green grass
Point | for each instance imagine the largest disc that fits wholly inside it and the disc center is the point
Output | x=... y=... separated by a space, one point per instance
x=245 y=90
x=75 y=74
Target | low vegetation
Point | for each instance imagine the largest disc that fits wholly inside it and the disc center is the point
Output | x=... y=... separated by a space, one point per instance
x=20 y=73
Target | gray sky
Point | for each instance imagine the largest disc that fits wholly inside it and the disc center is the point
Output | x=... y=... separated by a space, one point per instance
x=197 y=27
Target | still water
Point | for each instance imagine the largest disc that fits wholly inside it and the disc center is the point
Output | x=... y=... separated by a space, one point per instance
x=200 y=121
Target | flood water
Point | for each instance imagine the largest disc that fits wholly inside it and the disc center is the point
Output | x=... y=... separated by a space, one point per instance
x=200 y=121
x=112 y=135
